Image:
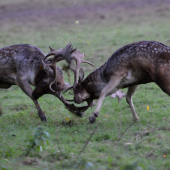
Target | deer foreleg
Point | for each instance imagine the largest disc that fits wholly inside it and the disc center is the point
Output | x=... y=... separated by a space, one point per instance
x=26 y=88
x=129 y=100
x=110 y=87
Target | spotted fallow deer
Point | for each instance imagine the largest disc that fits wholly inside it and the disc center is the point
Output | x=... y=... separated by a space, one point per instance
x=137 y=63
x=25 y=65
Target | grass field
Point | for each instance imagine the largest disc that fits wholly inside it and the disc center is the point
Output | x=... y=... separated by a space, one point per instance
x=103 y=27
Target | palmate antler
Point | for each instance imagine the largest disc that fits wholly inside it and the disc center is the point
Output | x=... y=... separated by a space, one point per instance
x=69 y=54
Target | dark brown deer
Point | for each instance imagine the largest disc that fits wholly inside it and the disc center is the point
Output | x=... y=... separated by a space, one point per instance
x=23 y=65
x=137 y=63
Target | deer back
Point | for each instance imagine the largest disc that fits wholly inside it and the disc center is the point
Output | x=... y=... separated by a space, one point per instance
x=18 y=60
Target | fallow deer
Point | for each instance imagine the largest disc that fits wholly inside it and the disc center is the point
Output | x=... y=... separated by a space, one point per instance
x=137 y=63
x=23 y=65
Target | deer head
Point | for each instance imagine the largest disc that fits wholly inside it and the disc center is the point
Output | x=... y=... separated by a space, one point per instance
x=49 y=80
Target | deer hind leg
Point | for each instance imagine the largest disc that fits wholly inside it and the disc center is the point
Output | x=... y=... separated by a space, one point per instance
x=131 y=91
x=26 y=88
x=4 y=86
x=110 y=87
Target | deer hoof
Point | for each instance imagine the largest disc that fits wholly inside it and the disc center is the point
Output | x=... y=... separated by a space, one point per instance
x=80 y=114
x=44 y=119
x=92 y=119
x=96 y=114
x=136 y=120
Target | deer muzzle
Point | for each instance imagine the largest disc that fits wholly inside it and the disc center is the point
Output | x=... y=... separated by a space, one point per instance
x=78 y=99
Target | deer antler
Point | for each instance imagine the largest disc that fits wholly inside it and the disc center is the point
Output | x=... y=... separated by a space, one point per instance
x=69 y=54
x=58 y=56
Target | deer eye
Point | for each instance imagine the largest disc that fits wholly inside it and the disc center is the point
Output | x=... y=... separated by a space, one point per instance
x=44 y=82
x=76 y=87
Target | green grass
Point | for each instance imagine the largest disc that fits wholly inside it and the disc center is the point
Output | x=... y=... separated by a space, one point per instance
x=120 y=26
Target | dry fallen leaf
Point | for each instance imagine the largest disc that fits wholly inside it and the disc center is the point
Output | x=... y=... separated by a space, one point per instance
x=67 y=119
x=147 y=108
x=164 y=156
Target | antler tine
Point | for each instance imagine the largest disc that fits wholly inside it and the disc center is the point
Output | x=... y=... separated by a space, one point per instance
x=84 y=61
x=57 y=54
x=68 y=89
x=54 y=71
x=51 y=87
x=52 y=49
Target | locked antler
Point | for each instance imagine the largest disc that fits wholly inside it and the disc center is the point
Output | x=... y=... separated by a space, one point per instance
x=69 y=54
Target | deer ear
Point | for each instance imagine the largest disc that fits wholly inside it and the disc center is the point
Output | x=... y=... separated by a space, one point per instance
x=81 y=75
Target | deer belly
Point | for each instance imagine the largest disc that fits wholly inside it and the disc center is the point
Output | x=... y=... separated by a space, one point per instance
x=9 y=79
x=7 y=76
x=131 y=79
x=7 y=70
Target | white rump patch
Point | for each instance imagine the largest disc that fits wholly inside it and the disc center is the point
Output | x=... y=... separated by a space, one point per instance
x=119 y=94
